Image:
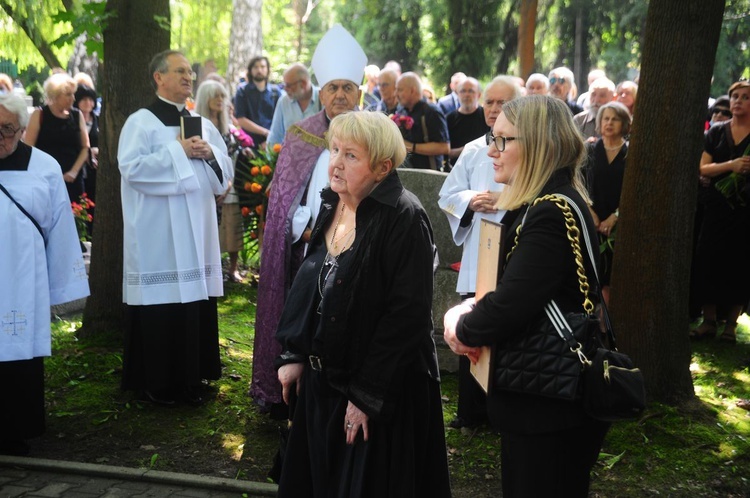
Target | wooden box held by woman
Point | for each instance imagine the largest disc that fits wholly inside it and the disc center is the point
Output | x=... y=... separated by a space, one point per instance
x=356 y=332
x=549 y=445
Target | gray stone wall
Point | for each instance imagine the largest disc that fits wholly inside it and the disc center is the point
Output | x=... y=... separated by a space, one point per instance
x=426 y=184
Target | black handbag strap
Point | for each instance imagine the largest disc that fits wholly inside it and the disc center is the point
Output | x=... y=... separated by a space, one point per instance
x=23 y=210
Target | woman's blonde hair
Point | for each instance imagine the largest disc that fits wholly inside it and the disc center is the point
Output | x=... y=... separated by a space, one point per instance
x=54 y=85
x=206 y=91
x=548 y=141
x=375 y=132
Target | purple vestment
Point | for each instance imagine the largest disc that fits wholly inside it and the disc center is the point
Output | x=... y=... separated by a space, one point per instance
x=303 y=145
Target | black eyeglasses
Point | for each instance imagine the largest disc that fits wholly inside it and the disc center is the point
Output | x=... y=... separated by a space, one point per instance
x=499 y=141
x=8 y=131
x=723 y=112
x=555 y=79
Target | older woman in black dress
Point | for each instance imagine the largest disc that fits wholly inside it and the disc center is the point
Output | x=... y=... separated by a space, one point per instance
x=59 y=130
x=549 y=445
x=605 y=170
x=356 y=332
x=722 y=273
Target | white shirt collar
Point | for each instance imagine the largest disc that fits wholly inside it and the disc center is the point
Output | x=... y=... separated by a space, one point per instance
x=179 y=107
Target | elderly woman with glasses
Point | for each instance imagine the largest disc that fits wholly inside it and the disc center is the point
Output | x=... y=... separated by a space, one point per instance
x=40 y=264
x=356 y=332
x=59 y=129
x=549 y=444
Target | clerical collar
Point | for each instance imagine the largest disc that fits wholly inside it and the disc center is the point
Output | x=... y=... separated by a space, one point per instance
x=179 y=107
x=18 y=160
x=167 y=112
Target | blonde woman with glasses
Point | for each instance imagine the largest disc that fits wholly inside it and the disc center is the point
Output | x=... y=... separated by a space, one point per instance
x=549 y=444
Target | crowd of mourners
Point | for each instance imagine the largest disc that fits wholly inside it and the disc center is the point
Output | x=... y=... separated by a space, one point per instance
x=343 y=342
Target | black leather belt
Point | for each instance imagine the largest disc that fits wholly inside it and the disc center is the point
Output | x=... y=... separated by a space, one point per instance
x=316 y=363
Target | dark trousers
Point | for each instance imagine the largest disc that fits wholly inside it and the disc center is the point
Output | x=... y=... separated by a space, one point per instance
x=552 y=464
x=472 y=401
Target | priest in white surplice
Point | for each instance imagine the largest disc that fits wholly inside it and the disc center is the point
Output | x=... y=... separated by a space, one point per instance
x=172 y=265
x=40 y=264
x=469 y=195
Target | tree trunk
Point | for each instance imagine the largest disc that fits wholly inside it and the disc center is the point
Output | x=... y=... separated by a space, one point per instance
x=246 y=39
x=579 y=72
x=132 y=38
x=652 y=266
x=526 y=30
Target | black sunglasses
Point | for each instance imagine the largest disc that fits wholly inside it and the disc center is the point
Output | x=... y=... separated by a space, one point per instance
x=723 y=112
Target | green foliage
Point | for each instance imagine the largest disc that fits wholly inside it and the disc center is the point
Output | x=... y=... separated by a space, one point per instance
x=461 y=37
x=88 y=18
x=201 y=29
x=16 y=46
x=733 y=53
x=387 y=29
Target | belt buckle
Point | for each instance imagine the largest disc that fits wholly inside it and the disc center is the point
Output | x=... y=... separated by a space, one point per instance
x=316 y=363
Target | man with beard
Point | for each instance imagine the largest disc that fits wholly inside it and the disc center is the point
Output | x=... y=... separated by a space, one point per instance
x=299 y=102
x=254 y=103
x=601 y=91
x=294 y=201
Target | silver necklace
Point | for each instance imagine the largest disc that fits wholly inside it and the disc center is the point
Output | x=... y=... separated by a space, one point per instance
x=615 y=147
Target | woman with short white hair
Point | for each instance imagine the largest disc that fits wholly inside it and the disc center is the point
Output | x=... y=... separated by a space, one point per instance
x=40 y=264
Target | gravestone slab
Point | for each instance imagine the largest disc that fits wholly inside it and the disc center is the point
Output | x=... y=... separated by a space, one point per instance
x=426 y=184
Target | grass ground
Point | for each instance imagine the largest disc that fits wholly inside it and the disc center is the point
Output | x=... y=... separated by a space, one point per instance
x=702 y=449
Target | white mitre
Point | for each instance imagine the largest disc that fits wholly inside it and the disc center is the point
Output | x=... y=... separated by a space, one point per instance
x=338 y=56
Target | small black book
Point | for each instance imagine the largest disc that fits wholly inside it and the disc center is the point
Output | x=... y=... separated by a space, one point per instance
x=190 y=126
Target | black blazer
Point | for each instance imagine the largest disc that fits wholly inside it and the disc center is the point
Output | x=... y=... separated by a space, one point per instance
x=542 y=267
x=377 y=323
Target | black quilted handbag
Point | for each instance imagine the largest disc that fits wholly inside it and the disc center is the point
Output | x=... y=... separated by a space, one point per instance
x=541 y=363
x=549 y=358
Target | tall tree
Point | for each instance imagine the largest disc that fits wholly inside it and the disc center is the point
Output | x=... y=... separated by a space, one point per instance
x=526 y=32
x=651 y=266
x=138 y=31
x=246 y=38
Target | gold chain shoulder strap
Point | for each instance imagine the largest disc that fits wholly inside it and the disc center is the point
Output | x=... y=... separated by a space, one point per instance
x=574 y=238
